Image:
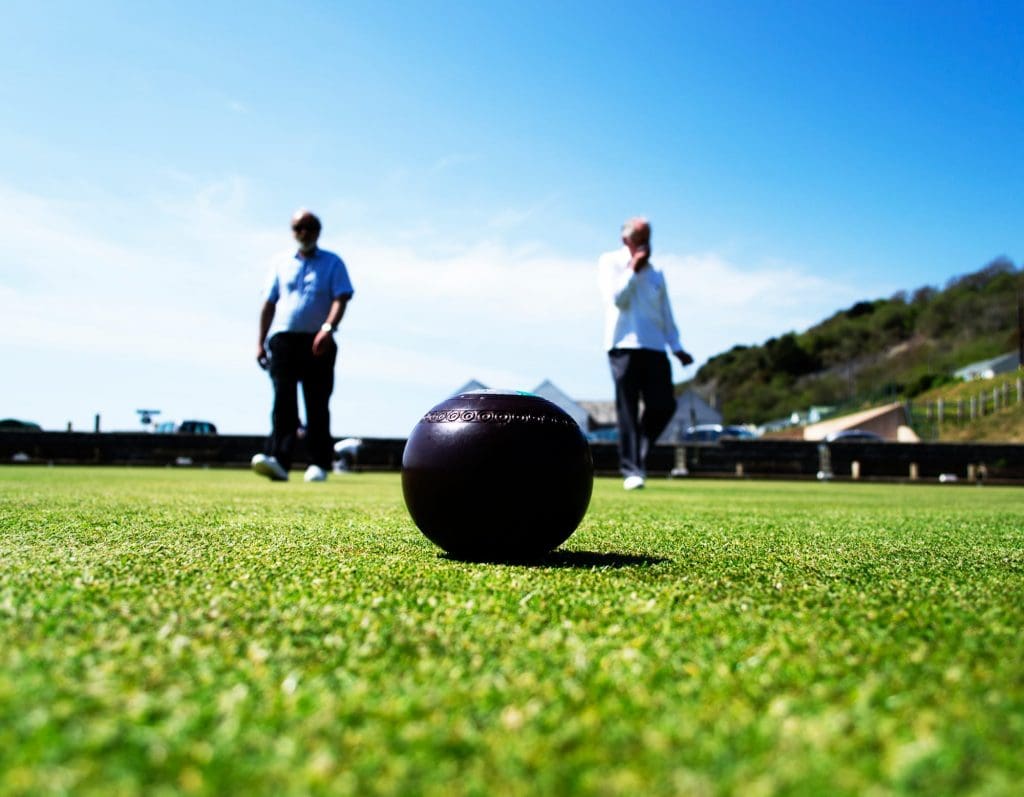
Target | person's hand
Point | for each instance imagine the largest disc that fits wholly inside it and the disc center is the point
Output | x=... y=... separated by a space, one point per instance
x=322 y=343
x=262 y=358
x=684 y=357
x=640 y=257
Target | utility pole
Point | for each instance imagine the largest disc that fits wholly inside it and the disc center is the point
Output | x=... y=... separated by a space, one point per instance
x=1020 y=330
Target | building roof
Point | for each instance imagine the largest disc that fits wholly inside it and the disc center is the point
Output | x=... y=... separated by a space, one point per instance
x=594 y=415
x=550 y=391
x=691 y=409
x=602 y=413
x=874 y=419
x=986 y=369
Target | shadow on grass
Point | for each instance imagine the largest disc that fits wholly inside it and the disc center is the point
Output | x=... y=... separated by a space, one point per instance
x=564 y=559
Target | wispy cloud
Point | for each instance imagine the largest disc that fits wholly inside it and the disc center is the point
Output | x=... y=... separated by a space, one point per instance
x=720 y=303
x=512 y=218
x=451 y=161
x=182 y=301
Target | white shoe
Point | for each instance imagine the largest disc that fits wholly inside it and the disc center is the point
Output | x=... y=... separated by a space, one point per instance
x=633 y=483
x=269 y=467
x=314 y=473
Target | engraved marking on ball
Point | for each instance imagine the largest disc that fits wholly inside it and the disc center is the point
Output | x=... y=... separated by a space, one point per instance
x=495 y=416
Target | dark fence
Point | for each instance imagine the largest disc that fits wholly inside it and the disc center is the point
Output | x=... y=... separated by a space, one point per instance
x=974 y=461
x=853 y=460
x=728 y=458
x=140 y=448
x=770 y=458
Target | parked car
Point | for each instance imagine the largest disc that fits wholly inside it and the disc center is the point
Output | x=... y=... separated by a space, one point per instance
x=713 y=432
x=854 y=436
x=185 y=427
x=606 y=435
x=14 y=425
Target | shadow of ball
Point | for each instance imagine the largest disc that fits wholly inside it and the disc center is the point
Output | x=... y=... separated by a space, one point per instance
x=497 y=475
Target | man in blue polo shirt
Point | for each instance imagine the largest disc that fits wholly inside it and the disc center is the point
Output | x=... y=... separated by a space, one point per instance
x=305 y=300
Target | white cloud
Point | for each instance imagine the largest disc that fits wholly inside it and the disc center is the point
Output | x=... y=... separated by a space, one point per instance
x=719 y=304
x=173 y=300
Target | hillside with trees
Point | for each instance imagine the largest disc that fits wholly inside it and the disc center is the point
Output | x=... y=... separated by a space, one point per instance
x=874 y=351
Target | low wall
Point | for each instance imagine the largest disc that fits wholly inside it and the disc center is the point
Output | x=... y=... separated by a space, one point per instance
x=899 y=461
x=992 y=461
x=792 y=459
x=140 y=448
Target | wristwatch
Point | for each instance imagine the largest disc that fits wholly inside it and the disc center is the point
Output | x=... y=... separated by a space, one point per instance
x=325 y=327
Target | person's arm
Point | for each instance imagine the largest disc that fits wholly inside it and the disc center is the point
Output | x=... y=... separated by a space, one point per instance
x=668 y=324
x=334 y=316
x=684 y=357
x=266 y=318
x=617 y=285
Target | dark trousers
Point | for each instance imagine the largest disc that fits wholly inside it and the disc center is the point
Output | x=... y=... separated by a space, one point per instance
x=292 y=361
x=640 y=374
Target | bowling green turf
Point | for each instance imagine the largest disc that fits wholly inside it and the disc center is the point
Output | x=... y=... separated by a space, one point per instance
x=205 y=632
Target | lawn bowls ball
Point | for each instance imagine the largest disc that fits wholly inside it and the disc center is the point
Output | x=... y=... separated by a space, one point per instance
x=497 y=475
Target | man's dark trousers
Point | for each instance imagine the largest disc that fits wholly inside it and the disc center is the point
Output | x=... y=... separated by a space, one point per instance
x=640 y=374
x=292 y=361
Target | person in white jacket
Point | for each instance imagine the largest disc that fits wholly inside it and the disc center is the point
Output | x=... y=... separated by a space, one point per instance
x=639 y=328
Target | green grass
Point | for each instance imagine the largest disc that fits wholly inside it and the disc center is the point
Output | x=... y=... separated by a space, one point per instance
x=167 y=631
x=1004 y=425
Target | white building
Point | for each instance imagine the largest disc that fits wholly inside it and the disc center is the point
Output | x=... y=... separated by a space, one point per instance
x=597 y=419
x=987 y=369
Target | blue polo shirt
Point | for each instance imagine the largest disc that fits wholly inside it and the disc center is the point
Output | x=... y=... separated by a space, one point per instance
x=303 y=288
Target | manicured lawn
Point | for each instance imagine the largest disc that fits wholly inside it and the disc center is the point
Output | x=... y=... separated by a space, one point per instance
x=166 y=631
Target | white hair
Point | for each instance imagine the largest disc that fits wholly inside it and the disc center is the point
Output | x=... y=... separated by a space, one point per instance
x=632 y=224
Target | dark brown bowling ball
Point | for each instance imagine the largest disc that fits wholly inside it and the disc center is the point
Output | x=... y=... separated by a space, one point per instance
x=497 y=475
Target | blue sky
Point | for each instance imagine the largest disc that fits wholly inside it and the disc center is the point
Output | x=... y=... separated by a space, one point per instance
x=470 y=162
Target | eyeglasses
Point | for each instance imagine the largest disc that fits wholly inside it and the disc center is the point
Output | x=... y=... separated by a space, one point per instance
x=303 y=227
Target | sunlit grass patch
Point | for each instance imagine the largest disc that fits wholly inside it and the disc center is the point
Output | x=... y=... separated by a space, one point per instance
x=208 y=632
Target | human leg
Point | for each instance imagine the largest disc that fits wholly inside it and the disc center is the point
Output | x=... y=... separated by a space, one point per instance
x=317 y=386
x=627 y=405
x=655 y=377
x=285 y=365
